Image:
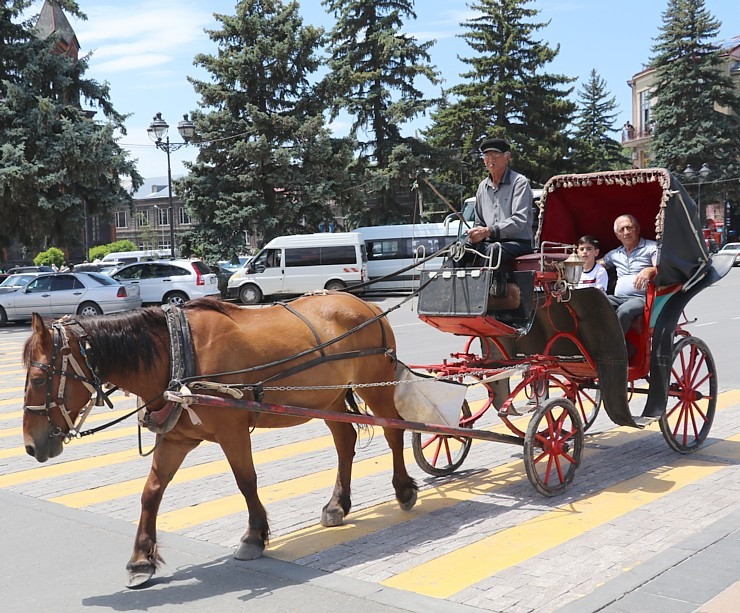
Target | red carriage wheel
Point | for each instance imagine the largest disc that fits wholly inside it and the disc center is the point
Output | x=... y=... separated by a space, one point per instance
x=588 y=403
x=553 y=446
x=692 y=396
x=441 y=455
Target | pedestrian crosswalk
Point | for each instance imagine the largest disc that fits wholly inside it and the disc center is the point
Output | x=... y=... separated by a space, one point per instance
x=465 y=537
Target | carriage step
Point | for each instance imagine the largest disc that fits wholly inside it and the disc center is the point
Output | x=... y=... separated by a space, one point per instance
x=643 y=422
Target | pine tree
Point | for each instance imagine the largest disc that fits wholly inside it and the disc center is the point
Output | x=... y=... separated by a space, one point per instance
x=593 y=149
x=268 y=163
x=507 y=93
x=374 y=69
x=56 y=165
x=693 y=95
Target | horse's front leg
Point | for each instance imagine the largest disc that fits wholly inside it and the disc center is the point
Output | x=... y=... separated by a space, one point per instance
x=167 y=458
x=238 y=450
x=340 y=503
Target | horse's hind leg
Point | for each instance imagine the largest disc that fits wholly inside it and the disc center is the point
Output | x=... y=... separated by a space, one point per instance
x=238 y=450
x=380 y=400
x=167 y=458
x=338 y=507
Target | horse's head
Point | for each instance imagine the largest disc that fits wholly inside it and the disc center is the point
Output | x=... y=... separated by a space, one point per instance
x=59 y=385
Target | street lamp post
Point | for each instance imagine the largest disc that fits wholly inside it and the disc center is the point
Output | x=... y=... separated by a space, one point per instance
x=157 y=131
x=690 y=173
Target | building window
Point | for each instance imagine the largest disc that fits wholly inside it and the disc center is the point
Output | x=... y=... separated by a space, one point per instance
x=163 y=216
x=645 y=116
x=184 y=217
x=121 y=221
x=142 y=218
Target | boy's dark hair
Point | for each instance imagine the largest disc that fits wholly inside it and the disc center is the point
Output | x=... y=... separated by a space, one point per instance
x=589 y=238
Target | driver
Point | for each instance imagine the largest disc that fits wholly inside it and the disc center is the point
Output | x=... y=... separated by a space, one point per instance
x=503 y=205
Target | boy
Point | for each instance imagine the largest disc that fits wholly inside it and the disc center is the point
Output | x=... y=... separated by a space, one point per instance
x=594 y=274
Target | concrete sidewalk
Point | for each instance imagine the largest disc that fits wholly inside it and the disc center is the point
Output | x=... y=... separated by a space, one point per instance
x=65 y=560
x=701 y=573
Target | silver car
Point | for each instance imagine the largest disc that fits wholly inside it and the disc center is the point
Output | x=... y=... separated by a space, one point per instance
x=169 y=281
x=69 y=293
x=734 y=249
x=17 y=281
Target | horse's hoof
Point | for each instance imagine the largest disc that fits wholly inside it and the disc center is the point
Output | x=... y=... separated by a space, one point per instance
x=409 y=504
x=139 y=577
x=249 y=549
x=332 y=518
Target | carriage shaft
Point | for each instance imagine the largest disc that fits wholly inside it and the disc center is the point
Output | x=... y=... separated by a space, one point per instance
x=354 y=418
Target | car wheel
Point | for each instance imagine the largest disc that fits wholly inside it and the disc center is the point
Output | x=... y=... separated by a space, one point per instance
x=175 y=299
x=250 y=294
x=335 y=286
x=3 y=317
x=89 y=309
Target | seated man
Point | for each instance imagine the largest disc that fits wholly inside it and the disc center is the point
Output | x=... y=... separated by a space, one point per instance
x=503 y=205
x=635 y=263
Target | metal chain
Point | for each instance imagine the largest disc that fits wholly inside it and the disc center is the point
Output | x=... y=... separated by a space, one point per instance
x=290 y=388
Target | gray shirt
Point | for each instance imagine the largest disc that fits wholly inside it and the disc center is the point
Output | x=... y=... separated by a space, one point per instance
x=507 y=209
x=628 y=266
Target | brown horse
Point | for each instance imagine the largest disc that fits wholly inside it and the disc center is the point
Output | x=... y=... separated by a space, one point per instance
x=74 y=357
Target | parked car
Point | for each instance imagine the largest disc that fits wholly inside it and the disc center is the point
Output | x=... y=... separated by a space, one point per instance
x=17 y=281
x=224 y=274
x=68 y=293
x=17 y=269
x=173 y=281
x=105 y=268
x=733 y=248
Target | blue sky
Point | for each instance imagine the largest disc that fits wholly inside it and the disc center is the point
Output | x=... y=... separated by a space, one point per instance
x=145 y=50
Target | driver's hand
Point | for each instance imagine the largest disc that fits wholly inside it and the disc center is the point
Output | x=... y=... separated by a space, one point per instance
x=478 y=234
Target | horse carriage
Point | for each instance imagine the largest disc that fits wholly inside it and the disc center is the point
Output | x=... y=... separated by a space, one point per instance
x=212 y=371
x=566 y=344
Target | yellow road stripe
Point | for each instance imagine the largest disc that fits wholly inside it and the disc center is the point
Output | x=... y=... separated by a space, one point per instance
x=92 y=419
x=114 y=491
x=107 y=435
x=48 y=471
x=466 y=566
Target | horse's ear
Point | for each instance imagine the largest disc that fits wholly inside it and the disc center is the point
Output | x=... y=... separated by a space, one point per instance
x=37 y=325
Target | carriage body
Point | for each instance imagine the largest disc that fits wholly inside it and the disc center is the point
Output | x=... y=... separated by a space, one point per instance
x=568 y=341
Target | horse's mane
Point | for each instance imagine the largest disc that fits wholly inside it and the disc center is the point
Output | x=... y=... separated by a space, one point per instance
x=130 y=341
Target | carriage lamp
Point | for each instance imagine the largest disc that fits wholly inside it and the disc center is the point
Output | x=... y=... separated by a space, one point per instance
x=572 y=268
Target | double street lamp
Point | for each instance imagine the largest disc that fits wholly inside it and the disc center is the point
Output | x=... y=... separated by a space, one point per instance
x=690 y=173
x=157 y=131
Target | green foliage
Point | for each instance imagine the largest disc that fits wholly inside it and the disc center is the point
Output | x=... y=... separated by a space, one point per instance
x=56 y=165
x=506 y=92
x=593 y=149
x=100 y=251
x=269 y=163
x=691 y=87
x=52 y=255
x=374 y=68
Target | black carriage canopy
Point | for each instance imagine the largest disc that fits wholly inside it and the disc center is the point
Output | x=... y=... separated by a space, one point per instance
x=574 y=205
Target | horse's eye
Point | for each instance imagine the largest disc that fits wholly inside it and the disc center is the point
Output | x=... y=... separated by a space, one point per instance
x=38 y=381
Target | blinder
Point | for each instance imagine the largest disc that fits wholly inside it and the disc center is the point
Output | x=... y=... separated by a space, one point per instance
x=61 y=349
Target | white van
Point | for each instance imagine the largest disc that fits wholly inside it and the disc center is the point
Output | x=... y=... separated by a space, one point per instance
x=293 y=265
x=129 y=257
x=393 y=248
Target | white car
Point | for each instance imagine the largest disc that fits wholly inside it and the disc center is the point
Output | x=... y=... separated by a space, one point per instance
x=69 y=293
x=733 y=248
x=169 y=281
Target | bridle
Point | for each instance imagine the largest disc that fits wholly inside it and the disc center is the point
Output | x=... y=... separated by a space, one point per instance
x=92 y=382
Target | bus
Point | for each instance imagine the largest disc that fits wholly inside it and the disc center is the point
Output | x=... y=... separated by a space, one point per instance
x=393 y=248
